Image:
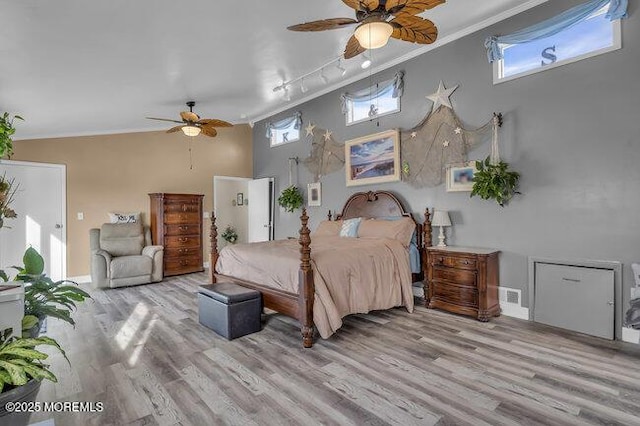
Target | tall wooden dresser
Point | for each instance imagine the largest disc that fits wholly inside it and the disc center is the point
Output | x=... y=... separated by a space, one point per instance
x=176 y=224
x=464 y=281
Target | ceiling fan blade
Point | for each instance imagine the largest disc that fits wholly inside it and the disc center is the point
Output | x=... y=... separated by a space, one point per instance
x=212 y=122
x=163 y=119
x=209 y=131
x=174 y=129
x=324 y=24
x=414 y=29
x=353 y=48
x=411 y=7
x=362 y=5
x=189 y=116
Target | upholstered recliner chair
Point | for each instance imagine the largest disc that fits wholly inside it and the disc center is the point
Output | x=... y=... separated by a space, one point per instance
x=122 y=255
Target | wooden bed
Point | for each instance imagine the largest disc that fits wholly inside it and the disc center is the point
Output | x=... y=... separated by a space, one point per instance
x=379 y=204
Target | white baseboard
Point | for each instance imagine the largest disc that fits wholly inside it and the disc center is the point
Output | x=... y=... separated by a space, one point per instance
x=515 y=311
x=81 y=279
x=630 y=335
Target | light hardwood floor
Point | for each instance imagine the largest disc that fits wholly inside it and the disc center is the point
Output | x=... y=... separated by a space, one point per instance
x=141 y=352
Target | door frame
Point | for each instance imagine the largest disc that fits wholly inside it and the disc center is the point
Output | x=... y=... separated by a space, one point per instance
x=63 y=201
x=218 y=178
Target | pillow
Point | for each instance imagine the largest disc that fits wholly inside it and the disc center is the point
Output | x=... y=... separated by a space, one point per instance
x=328 y=228
x=124 y=217
x=350 y=228
x=401 y=230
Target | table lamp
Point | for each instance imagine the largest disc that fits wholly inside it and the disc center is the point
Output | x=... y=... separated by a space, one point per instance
x=441 y=219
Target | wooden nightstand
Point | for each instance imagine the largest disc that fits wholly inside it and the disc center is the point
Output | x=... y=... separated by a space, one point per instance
x=464 y=281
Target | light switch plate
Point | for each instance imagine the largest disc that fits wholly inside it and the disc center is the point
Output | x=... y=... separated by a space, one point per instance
x=80 y=216
x=205 y=215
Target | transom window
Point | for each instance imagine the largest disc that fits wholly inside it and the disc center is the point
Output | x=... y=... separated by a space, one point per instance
x=376 y=106
x=593 y=36
x=285 y=135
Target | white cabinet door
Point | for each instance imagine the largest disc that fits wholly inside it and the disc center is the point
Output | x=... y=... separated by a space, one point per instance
x=576 y=298
x=41 y=207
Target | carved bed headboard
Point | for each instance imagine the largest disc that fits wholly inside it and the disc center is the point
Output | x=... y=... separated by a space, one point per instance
x=371 y=205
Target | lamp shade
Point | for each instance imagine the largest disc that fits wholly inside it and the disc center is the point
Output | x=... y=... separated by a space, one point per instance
x=373 y=35
x=441 y=218
x=191 y=130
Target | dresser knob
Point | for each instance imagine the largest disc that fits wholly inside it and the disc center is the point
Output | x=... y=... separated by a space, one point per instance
x=183 y=240
x=183 y=228
x=441 y=260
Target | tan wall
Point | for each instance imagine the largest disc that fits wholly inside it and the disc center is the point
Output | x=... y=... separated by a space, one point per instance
x=116 y=172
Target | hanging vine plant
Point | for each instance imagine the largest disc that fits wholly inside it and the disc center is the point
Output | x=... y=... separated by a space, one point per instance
x=495 y=182
x=291 y=199
x=6 y=132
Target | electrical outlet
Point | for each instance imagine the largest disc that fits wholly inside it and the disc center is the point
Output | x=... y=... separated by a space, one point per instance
x=80 y=216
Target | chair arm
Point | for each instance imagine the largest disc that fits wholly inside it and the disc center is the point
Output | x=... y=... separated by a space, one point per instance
x=151 y=251
x=105 y=254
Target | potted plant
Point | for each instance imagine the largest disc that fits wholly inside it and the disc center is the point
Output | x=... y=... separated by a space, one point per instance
x=291 y=199
x=230 y=235
x=44 y=297
x=8 y=189
x=22 y=369
x=6 y=132
x=495 y=181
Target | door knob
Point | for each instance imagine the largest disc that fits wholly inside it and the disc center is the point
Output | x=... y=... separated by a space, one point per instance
x=58 y=226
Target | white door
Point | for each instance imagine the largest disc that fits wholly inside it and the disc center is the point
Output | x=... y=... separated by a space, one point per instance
x=41 y=207
x=261 y=198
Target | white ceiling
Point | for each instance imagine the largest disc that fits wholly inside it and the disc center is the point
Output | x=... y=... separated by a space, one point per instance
x=79 y=67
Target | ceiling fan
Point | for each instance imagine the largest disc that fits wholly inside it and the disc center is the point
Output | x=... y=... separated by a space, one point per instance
x=375 y=27
x=193 y=125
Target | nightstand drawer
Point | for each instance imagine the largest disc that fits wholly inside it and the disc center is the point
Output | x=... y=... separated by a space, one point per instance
x=454 y=262
x=459 y=276
x=455 y=294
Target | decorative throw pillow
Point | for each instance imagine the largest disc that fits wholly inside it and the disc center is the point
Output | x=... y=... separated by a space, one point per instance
x=350 y=228
x=124 y=217
x=328 y=228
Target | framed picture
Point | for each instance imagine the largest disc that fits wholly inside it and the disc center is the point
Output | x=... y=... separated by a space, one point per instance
x=314 y=194
x=460 y=177
x=373 y=159
x=240 y=198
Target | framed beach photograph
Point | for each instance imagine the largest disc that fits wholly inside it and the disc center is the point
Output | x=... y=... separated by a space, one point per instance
x=314 y=194
x=373 y=159
x=460 y=177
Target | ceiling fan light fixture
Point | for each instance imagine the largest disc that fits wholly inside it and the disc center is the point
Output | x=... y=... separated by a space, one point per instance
x=373 y=35
x=192 y=131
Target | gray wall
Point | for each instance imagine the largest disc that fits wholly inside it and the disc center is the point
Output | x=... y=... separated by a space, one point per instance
x=572 y=132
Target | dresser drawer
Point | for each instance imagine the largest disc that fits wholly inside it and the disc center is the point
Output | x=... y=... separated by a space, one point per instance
x=181 y=207
x=182 y=251
x=455 y=294
x=460 y=276
x=188 y=229
x=181 y=218
x=454 y=261
x=182 y=265
x=182 y=242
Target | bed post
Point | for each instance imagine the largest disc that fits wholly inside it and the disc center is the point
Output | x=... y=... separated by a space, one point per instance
x=306 y=285
x=213 y=234
x=426 y=242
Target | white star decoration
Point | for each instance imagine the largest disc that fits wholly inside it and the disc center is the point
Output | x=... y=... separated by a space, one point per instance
x=327 y=135
x=458 y=130
x=441 y=97
x=445 y=144
x=414 y=134
x=310 y=128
